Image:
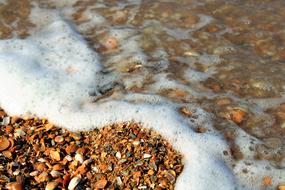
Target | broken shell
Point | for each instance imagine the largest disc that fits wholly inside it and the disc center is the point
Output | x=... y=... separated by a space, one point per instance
x=119 y=181
x=136 y=143
x=34 y=173
x=7 y=154
x=55 y=155
x=58 y=139
x=79 y=158
x=73 y=183
x=57 y=167
x=51 y=185
x=42 y=177
x=6 y=121
x=146 y=156
x=55 y=174
x=71 y=148
x=185 y=111
x=101 y=184
x=118 y=155
x=4 y=143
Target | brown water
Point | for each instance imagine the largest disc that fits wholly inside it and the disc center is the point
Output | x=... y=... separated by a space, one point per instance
x=220 y=55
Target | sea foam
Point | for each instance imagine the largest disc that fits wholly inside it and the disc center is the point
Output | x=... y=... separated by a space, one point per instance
x=53 y=74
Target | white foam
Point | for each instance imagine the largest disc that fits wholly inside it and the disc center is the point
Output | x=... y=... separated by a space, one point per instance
x=53 y=68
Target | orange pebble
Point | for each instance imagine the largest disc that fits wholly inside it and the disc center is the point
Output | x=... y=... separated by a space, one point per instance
x=111 y=43
x=267 y=180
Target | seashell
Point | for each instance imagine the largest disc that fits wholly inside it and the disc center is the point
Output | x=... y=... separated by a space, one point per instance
x=55 y=155
x=74 y=182
x=79 y=158
x=118 y=155
x=146 y=156
x=5 y=121
x=136 y=143
x=68 y=158
x=55 y=174
x=34 y=173
x=19 y=133
x=42 y=160
x=51 y=185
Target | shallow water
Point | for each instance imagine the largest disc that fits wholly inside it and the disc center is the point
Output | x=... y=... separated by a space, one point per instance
x=216 y=58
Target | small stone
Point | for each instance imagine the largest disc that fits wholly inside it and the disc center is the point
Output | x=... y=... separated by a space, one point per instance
x=57 y=167
x=118 y=155
x=4 y=143
x=68 y=158
x=150 y=172
x=48 y=126
x=58 y=139
x=51 y=185
x=55 y=155
x=111 y=43
x=146 y=156
x=7 y=154
x=281 y=187
x=185 y=111
x=74 y=182
x=136 y=143
x=40 y=166
x=76 y=136
x=71 y=148
x=101 y=184
x=42 y=177
x=267 y=180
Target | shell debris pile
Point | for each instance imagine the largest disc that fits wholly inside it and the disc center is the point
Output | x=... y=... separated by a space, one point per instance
x=34 y=154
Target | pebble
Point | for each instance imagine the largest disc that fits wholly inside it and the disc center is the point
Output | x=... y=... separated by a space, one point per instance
x=58 y=139
x=4 y=143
